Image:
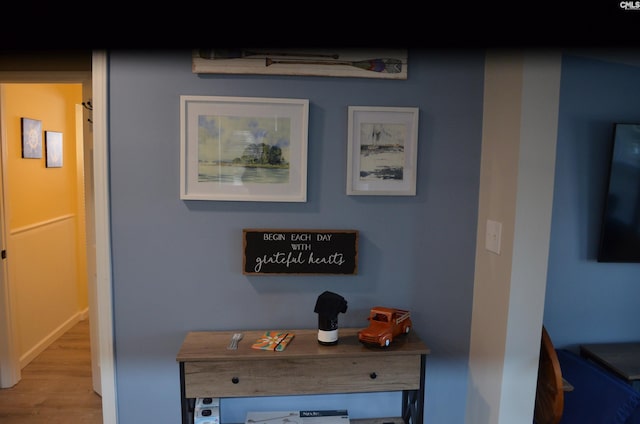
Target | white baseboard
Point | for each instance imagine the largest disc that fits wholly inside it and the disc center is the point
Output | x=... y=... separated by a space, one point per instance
x=84 y=314
x=52 y=337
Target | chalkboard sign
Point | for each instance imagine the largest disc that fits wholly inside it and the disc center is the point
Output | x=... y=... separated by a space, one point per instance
x=273 y=251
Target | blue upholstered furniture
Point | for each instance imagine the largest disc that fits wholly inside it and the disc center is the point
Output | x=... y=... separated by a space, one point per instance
x=598 y=396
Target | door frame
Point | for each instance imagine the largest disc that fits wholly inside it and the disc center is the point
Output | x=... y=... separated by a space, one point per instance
x=100 y=305
x=99 y=73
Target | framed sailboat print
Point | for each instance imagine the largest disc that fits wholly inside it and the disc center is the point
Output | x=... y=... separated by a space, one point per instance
x=382 y=151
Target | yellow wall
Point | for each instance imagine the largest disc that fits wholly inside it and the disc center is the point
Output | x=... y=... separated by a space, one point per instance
x=41 y=193
x=45 y=216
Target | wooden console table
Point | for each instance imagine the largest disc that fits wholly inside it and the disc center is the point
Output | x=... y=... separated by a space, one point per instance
x=209 y=369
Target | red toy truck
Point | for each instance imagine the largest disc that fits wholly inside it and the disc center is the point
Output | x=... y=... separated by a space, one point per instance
x=385 y=324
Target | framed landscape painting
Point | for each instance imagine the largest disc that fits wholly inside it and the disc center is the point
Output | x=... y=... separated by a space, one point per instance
x=382 y=151
x=243 y=148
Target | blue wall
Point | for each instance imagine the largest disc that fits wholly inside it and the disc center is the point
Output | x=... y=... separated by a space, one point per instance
x=177 y=264
x=587 y=301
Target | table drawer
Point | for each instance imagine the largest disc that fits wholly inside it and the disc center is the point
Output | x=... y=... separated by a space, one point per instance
x=232 y=378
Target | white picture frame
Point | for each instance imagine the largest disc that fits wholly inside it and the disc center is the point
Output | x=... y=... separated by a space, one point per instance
x=382 y=153
x=243 y=148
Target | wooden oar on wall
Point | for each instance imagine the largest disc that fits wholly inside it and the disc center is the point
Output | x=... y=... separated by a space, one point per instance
x=388 y=65
x=241 y=53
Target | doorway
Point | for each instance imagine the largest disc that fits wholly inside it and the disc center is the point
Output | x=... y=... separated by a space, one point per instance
x=94 y=79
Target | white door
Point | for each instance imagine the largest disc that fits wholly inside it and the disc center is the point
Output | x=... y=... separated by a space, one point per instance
x=83 y=126
x=9 y=372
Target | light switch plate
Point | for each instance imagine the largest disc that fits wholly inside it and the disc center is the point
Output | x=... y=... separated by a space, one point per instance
x=493 y=236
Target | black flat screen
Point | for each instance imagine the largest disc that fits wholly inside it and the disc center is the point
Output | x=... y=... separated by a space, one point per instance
x=620 y=232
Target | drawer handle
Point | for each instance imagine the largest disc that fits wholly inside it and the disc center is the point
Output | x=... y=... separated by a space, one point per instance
x=235 y=380
x=373 y=375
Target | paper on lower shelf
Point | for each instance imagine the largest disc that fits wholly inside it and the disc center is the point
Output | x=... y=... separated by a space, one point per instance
x=332 y=416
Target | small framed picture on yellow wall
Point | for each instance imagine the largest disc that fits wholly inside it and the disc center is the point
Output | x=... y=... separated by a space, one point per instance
x=53 y=140
x=31 y=138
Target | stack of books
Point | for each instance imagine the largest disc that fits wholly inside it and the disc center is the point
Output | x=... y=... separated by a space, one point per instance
x=275 y=340
x=332 y=416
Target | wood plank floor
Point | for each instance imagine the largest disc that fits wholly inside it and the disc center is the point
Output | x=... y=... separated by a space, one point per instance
x=56 y=387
